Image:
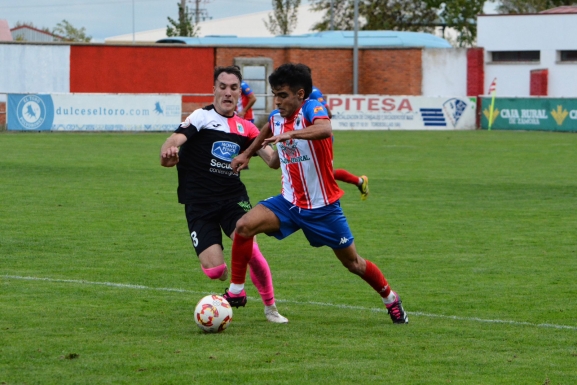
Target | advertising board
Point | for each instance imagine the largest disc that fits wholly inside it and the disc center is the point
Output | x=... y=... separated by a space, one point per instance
x=378 y=112
x=93 y=112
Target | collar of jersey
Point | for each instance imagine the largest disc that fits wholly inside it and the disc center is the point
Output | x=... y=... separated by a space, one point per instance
x=294 y=115
x=224 y=116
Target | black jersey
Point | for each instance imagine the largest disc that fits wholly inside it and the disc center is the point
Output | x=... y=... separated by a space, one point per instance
x=213 y=140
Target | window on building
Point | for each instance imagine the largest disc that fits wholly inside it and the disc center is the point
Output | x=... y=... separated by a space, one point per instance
x=568 y=55
x=515 y=56
x=255 y=72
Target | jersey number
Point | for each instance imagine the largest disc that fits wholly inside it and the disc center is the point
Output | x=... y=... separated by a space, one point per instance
x=194 y=238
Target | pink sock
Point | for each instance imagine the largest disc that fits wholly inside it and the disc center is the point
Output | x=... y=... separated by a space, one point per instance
x=261 y=276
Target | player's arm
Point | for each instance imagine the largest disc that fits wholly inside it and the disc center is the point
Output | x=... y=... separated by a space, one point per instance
x=320 y=129
x=169 y=150
x=270 y=156
x=241 y=160
x=328 y=111
x=251 y=102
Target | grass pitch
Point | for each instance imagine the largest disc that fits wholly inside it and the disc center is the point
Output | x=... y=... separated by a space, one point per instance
x=475 y=230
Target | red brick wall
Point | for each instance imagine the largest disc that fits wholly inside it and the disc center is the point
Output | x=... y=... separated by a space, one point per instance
x=390 y=71
x=134 y=69
x=539 y=82
x=381 y=71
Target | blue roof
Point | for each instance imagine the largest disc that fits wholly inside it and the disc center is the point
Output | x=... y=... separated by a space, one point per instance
x=331 y=39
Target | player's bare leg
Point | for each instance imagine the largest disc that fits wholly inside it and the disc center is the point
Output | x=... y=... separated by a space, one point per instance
x=212 y=263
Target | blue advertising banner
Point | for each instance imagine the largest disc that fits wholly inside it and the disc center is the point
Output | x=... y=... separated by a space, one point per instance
x=93 y=112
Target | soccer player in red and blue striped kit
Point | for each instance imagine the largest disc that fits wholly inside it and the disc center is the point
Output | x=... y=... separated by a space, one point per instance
x=362 y=182
x=309 y=199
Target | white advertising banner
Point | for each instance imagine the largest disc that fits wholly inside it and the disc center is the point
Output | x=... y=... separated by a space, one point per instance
x=379 y=112
x=93 y=112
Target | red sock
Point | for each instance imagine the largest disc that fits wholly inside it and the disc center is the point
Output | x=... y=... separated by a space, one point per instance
x=345 y=176
x=241 y=254
x=376 y=279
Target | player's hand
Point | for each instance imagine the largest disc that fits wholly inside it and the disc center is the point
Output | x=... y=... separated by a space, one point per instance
x=277 y=138
x=169 y=157
x=239 y=162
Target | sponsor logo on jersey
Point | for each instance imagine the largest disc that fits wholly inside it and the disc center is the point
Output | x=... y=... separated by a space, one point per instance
x=317 y=109
x=290 y=153
x=225 y=150
x=239 y=128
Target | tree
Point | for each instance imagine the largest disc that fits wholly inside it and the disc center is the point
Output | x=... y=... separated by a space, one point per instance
x=461 y=15
x=70 y=33
x=530 y=6
x=404 y=15
x=184 y=26
x=283 y=20
x=396 y=15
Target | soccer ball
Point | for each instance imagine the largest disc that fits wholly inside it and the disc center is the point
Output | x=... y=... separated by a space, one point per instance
x=213 y=314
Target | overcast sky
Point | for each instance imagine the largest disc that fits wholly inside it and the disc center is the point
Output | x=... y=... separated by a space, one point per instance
x=106 y=18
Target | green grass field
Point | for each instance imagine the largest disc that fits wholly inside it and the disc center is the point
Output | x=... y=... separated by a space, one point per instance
x=475 y=230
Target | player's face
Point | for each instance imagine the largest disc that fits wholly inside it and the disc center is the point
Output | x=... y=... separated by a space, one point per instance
x=287 y=101
x=226 y=93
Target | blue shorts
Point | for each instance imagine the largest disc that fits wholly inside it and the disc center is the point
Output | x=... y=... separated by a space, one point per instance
x=325 y=226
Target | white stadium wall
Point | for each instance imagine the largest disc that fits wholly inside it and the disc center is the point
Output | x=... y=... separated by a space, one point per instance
x=547 y=33
x=34 y=68
x=444 y=72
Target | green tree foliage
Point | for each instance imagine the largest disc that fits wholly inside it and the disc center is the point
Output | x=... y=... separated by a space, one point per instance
x=70 y=33
x=398 y=15
x=184 y=26
x=461 y=15
x=403 y=15
x=530 y=6
x=283 y=20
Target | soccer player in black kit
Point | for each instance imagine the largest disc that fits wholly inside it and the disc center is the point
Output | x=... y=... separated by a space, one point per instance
x=213 y=195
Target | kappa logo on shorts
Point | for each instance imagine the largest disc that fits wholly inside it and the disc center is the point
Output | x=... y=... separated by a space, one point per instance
x=343 y=240
x=225 y=150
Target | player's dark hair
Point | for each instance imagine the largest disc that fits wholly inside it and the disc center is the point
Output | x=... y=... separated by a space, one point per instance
x=232 y=70
x=295 y=76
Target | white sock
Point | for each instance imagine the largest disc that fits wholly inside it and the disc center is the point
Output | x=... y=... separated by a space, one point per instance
x=271 y=307
x=390 y=299
x=236 y=288
x=360 y=182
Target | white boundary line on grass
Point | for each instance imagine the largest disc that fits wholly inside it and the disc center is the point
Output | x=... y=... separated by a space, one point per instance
x=413 y=313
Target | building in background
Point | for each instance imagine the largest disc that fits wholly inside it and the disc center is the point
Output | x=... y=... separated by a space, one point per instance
x=538 y=57
x=35 y=35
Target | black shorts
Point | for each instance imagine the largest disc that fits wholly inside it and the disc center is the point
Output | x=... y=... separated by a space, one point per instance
x=205 y=221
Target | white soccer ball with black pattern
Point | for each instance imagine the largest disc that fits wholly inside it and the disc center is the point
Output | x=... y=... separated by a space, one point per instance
x=213 y=314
